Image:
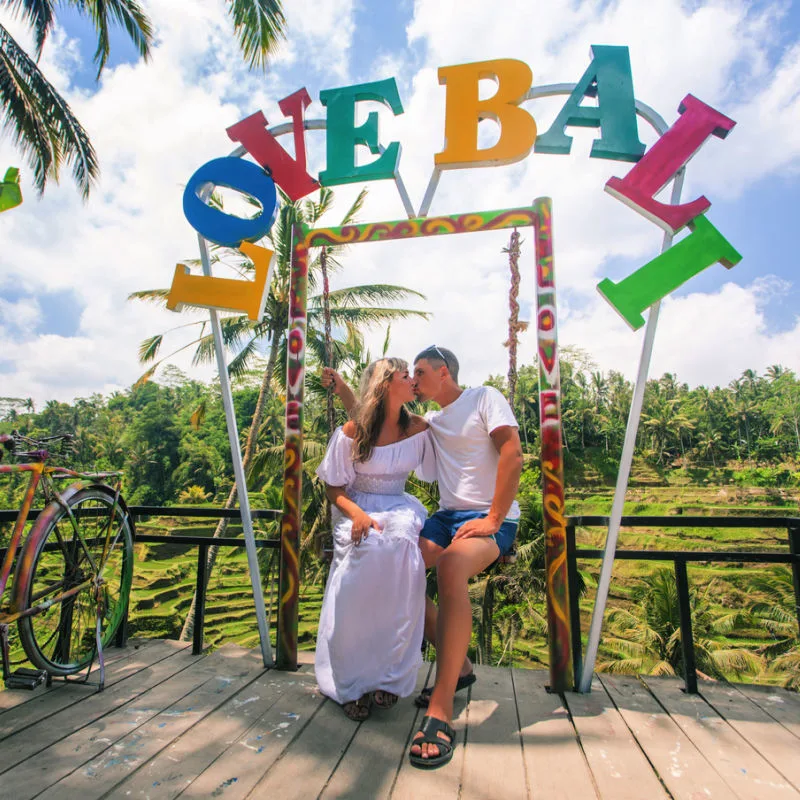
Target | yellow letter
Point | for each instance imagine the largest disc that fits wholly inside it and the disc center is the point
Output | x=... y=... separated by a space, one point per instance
x=224 y=294
x=463 y=112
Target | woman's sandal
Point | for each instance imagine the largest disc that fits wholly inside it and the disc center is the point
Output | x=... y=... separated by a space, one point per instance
x=357 y=710
x=424 y=697
x=384 y=699
x=430 y=729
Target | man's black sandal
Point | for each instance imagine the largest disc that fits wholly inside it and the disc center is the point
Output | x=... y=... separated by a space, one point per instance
x=424 y=697
x=429 y=729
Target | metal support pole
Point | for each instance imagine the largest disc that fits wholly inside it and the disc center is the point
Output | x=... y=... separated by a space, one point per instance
x=200 y=608
x=604 y=582
x=238 y=471
x=687 y=639
x=794 y=549
x=574 y=608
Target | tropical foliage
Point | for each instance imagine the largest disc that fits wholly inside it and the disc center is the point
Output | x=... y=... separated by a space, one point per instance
x=37 y=117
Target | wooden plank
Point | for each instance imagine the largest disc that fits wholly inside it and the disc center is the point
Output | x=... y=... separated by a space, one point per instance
x=43 y=734
x=775 y=744
x=742 y=768
x=493 y=763
x=680 y=765
x=13 y=698
x=178 y=765
x=234 y=774
x=618 y=765
x=369 y=766
x=308 y=762
x=50 y=703
x=437 y=784
x=549 y=738
x=210 y=685
x=780 y=704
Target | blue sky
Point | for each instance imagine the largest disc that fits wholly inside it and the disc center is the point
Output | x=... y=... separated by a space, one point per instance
x=154 y=124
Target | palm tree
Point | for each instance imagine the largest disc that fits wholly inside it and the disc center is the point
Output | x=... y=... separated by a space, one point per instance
x=38 y=118
x=649 y=641
x=354 y=306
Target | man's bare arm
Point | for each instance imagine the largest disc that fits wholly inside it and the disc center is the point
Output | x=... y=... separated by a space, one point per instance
x=509 y=468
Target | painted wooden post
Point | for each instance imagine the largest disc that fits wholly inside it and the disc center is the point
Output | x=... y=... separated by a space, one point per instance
x=558 y=616
x=289 y=586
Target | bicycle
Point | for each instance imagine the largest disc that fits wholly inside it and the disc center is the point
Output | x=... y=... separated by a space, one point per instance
x=73 y=575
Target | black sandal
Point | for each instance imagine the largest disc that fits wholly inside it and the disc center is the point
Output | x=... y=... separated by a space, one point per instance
x=357 y=710
x=388 y=699
x=424 y=697
x=430 y=729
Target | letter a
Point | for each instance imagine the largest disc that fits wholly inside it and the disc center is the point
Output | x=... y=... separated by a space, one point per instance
x=463 y=112
x=671 y=152
x=608 y=78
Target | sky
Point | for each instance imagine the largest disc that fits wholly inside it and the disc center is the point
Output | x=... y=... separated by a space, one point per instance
x=67 y=267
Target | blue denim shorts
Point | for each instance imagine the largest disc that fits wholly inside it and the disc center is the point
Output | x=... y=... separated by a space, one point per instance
x=441 y=527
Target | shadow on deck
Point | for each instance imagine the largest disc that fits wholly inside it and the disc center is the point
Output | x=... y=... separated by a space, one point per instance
x=171 y=724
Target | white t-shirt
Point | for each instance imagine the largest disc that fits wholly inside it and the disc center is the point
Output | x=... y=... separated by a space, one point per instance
x=466 y=458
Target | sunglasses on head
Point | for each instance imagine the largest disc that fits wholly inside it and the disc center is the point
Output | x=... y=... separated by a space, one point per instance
x=439 y=352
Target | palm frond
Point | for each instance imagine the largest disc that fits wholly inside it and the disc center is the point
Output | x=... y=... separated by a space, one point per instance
x=149 y=348
x=259 y=26
x=40 y=14
x=41 y=122
x=353 y=211
x=370 y=293
x=157 y=296
x=128 y=14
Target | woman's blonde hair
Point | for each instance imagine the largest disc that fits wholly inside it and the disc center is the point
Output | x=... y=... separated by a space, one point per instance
x=370 y=412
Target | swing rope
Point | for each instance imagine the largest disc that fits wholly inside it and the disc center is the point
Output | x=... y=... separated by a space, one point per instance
x=326 y=313
x=515 y=327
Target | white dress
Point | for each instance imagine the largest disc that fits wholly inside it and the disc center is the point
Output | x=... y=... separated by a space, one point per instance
x=372 y=618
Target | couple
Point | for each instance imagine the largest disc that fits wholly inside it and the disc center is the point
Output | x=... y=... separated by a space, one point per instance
x=375 y=610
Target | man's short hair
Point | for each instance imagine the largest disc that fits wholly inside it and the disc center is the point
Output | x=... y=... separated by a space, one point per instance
x=440 y=356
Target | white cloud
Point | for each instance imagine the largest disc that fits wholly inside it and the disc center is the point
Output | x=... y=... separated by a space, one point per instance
x=154 y=124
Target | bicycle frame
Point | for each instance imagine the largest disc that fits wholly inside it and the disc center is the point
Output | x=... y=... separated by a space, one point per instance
x=41 y=473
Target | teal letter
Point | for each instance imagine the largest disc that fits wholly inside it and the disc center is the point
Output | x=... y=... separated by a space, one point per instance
x=343 y=136
x=702 y=248
x=608 y=78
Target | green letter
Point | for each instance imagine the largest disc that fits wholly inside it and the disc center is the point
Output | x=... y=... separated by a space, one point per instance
x=608 y=78
x=343 y=136
x=702 y=248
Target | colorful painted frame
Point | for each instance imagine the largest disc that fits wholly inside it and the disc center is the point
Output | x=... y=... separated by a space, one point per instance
x=538 y=216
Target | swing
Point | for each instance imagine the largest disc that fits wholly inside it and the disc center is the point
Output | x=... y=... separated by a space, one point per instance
x=323 y=536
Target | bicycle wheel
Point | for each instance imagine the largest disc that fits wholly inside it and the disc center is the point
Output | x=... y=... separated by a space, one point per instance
x=57 y=558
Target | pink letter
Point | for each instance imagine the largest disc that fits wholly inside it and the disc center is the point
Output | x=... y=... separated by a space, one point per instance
x=674 y=149
x=290 y=174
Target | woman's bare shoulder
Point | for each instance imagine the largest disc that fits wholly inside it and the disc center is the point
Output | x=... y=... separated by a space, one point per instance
x=349 y=429
x=417 y=425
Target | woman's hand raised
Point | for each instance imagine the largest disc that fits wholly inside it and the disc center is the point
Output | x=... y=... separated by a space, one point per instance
x=362 y=525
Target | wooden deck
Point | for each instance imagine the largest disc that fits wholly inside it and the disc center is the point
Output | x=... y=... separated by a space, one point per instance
x=170 y=724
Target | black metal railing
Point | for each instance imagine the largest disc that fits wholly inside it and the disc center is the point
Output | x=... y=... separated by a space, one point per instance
x=680 y=559
x=202 y=543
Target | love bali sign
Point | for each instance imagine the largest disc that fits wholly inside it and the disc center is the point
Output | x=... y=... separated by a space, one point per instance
x=607 y=79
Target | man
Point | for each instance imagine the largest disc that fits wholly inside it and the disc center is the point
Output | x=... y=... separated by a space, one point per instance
x=478 y=464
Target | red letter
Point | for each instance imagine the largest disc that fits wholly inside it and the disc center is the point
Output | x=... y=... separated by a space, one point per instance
x=696 y=123
x=290 y=174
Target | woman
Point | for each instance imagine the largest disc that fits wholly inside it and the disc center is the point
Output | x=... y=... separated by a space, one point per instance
x=371 y=623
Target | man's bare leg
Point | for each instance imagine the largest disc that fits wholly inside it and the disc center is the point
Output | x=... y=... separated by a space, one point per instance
x=431 y=553
x=463 y=559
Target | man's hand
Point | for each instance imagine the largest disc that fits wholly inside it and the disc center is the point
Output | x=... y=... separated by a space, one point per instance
x=484 y=526
x=362 y=525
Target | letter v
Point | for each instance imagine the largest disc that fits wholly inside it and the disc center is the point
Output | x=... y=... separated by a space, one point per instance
x=289 y=173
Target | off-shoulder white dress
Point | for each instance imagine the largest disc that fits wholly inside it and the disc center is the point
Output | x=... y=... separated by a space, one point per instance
x=371 y=623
